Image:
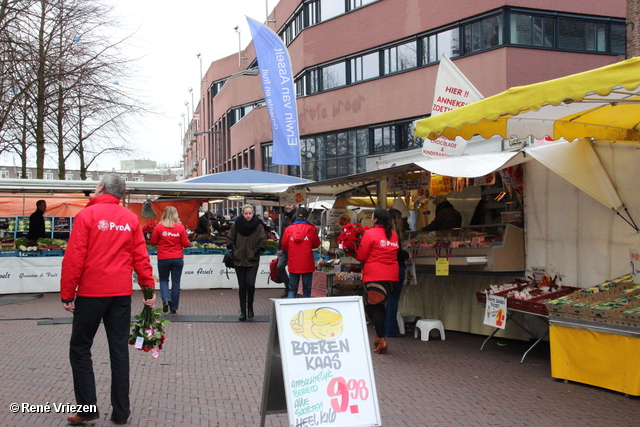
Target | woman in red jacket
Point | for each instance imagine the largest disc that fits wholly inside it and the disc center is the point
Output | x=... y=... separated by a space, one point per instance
x=378 y=253
x=170 y=236
x=299 y=241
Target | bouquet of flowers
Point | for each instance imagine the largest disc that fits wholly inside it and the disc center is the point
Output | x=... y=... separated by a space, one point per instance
x=350 y=238
x=147 y=230
x=148 y=328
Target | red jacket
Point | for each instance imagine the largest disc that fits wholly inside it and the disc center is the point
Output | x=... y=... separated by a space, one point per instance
x=170 y=240
x=379 y=255
x=298 y=241
x=105 y=246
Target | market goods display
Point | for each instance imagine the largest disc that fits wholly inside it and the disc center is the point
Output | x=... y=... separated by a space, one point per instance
x=529 y=296
x=615 y=301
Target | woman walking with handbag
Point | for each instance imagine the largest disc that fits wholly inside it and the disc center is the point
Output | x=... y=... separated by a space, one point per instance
x=246 y=240
x=378 y=253
x=170 y=236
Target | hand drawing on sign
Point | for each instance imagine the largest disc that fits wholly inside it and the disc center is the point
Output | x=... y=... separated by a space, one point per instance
x=317 y=323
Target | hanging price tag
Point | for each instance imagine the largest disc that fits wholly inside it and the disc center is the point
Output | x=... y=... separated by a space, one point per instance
x=442 y=266
x=139 y=342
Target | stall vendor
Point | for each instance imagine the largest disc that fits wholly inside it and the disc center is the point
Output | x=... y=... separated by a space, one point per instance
x=447 y=217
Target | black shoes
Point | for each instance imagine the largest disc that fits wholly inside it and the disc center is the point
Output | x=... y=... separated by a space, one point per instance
x=243 y=316
x=250 y=313
x=173 y=312
x=165 y=306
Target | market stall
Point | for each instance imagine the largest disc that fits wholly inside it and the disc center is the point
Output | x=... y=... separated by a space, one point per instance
x=36 y=268
x=29 y=274
x=581 y=202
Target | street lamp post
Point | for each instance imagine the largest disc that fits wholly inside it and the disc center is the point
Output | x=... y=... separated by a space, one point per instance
x=199 y=56
x=186 y=104
x=240 y=57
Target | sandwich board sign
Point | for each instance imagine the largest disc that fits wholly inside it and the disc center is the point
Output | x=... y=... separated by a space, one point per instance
x=318 y=366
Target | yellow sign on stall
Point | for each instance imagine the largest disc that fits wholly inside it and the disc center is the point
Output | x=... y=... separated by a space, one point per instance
x=442 y=267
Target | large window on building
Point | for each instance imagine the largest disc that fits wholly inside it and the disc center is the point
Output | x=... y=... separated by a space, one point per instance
x=365 y=67
x=331 y=8
x=483 y=33
x=384 y=139
x=618 y=38
x=401 y=57
x=334 y=76
x=442 y=43
x=267 y=159
x=530 y=30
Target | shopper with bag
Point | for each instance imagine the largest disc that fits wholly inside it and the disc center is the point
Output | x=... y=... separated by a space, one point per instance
x=246 y=240
x=299 y=241
x=378 y=253
x=170 y=236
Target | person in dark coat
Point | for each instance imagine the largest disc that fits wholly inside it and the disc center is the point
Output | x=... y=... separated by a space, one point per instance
x=36 y=221
x=447 y=217
x=286 y=219
x=247 y=240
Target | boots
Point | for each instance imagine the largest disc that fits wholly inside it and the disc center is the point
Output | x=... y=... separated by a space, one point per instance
x=382 y=346
x=243 y=314
x=376 y=341
x=250 y=311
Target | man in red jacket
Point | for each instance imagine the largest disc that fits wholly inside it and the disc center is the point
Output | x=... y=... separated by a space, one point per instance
x=105 y=247
x=299 y=241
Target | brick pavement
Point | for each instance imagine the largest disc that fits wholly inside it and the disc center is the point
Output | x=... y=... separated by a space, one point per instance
x=210 y=374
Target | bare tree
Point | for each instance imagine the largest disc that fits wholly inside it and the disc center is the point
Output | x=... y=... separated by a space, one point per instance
x=63 y=64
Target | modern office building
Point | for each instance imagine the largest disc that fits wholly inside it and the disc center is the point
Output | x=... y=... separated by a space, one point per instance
x=365 y=70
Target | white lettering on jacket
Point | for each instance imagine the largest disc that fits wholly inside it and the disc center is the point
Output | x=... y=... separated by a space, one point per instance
x=166 y=233
x=118 y=227
x=387 y=243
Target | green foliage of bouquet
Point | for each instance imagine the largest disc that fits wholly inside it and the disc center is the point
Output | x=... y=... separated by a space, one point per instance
x=148 y=328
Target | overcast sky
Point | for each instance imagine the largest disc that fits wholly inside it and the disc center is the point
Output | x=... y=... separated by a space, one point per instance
x=168 y=36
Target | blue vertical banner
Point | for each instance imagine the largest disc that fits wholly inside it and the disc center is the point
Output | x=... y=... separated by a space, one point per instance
x=274 y=65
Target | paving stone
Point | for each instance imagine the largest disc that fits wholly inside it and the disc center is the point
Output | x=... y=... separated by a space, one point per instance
x=211 y=369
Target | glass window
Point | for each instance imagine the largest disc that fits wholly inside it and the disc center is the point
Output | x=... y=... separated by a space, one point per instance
x=429 y=49
x=596 y=36
x=69 y=176
x=331 y=8
x=571 y=34
x=312 y=12
x=334 y=76
x=483 y=34
x=313 y=82
x=358 y=3
x=384 y=139
x=543 y=31
x=365 y=67
x=401 y=57
x=48 y=175
x=267 y=159
x=407 y=141
x=521 y=29
x=448 y=44
x=4 y=174
x=618 y=38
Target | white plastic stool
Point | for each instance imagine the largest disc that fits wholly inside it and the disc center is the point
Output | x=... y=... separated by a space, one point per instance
x=425 y=326
x=400 y=320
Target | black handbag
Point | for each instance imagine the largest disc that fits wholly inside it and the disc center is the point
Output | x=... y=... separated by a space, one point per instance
x=228 y=260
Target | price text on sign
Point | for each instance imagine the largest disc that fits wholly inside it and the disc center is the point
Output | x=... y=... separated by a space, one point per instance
x=342 y=390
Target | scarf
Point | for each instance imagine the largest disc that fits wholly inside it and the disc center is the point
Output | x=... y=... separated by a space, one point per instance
x=245 y=227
